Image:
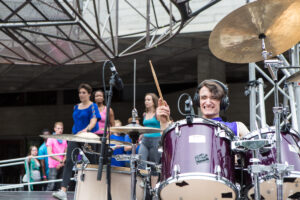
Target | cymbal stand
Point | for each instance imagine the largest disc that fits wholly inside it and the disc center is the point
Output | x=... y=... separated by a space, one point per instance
x=133 y=164
x=279 y=169
x=255 y=168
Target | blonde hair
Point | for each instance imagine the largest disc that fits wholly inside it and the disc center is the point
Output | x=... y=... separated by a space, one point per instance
x=58 y=123
x=117 y=121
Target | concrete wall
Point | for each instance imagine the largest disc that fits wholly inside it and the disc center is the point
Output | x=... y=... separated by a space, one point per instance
x=30 y=120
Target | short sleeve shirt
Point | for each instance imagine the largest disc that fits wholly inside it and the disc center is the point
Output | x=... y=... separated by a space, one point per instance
x=82 y=118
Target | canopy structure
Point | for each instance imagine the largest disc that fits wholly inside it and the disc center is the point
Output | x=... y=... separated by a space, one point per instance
x=62 y=32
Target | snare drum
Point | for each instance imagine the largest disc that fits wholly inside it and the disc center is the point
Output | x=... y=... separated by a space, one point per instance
x=92 y=189
x=290 y=154
x=197 y=162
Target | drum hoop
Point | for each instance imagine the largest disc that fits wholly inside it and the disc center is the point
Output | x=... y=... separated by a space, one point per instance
x=202 y=176
x=293 y=174
x=229 y=133
x=114 y=169
x=270 y=129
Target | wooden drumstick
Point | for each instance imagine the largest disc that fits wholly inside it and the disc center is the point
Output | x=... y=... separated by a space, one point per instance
x=155 y=80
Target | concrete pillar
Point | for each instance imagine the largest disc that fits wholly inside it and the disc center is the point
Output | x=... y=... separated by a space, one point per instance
x=209 y=67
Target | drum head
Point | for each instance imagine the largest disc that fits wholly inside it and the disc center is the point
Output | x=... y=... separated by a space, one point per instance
x=268 y=189
x=198 y=187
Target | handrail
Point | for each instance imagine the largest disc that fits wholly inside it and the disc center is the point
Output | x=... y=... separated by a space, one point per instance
x=12 y=162
x=24 y=158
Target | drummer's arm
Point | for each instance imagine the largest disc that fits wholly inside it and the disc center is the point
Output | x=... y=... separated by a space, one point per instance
x=242 y=129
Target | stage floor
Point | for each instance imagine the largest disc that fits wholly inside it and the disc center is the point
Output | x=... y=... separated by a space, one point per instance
x=35 y=195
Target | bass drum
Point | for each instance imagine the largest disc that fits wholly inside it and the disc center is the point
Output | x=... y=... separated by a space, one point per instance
x=197 y=162
x=290 y=154
x=91 y=189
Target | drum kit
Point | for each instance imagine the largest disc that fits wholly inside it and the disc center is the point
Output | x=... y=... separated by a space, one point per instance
x=204 y=159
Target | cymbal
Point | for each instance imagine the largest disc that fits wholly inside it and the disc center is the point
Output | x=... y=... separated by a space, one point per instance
x=134 y=128
x=236 y=38
x=85 y=137
x=294 y=78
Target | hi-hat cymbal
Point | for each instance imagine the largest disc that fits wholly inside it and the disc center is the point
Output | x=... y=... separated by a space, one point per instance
x=85 y=137
x=294 y=78
x=236 y=38
x=134 y=128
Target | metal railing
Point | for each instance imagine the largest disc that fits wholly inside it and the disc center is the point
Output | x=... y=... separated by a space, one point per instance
x=24 y=161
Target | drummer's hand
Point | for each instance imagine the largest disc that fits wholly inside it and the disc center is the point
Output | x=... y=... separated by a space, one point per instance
x=163 y=111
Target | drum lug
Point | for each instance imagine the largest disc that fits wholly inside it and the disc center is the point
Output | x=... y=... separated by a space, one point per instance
x=177 y=130
x=220 y=133
x=176 y=170
x=218 y=172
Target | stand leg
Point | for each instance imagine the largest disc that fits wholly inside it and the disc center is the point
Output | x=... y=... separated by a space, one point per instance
x=256 y=179
x=279 y=183
x=133 y=167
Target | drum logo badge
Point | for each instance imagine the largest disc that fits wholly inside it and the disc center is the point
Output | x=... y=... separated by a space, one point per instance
x=201 y=158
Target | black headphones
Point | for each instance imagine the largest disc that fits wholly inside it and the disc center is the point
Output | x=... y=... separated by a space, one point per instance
x=224 y=101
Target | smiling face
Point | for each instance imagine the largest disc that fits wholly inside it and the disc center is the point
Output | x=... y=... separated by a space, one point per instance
x=209 y=103
x=84 y=96
x=99 y=97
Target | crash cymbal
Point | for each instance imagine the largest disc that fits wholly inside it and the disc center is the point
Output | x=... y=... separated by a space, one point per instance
x=236 y=38
x=294 y=78
x=85 y=137
x=134 y=128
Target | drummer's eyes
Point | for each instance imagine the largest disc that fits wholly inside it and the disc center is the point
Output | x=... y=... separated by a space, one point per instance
x=205 y=97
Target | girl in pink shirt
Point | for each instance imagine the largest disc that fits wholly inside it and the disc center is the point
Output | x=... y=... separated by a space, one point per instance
x=99 y=100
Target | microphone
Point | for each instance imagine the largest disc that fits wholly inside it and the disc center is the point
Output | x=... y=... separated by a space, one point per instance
x=84 y=158
x=118 y=81
x=188 y=108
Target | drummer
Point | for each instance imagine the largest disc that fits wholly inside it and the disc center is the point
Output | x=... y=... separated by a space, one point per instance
x=212 y=97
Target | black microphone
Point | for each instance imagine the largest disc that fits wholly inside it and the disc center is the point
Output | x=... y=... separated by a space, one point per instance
x=119 y=83
x=189 y=110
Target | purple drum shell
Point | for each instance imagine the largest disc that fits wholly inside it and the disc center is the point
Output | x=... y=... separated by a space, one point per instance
x=288 y=151
x=289 y=154
x=196 y=149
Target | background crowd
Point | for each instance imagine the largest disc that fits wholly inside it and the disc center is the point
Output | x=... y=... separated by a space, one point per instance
x=88 y=116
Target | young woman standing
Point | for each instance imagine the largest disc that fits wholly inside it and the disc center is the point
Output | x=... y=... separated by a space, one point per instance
x=99 y=100
x=85 y=117
x=150 y=141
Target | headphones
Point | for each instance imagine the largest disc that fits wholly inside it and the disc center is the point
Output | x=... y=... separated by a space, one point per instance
x=224 y=104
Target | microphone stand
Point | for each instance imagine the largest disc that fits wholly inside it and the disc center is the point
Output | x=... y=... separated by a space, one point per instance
x=104 y=148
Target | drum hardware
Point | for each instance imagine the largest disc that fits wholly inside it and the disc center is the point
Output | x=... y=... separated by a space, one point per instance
x=176 y=171
x=177 y=130
x=218 y=172
x=221 y=133
x=250 y=144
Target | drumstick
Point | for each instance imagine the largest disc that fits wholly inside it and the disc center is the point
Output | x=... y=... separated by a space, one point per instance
x=155 y=80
